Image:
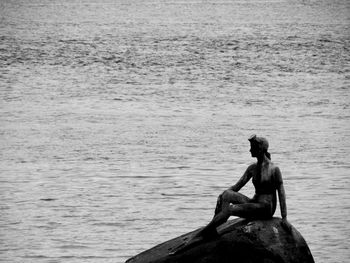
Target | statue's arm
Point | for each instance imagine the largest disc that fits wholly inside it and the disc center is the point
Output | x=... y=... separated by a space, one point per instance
x=281 y=193
x=243 y=180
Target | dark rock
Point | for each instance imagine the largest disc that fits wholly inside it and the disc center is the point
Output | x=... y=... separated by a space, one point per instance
x=239 y=241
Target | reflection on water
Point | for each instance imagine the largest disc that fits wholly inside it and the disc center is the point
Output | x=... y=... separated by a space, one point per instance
x=122 y=121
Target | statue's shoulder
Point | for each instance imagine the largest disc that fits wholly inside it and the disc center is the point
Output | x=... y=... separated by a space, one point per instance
x=252 y=167
x=275 y=168
x=276 y=173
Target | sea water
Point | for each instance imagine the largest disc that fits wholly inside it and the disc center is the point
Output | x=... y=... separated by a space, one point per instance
x=122 y=121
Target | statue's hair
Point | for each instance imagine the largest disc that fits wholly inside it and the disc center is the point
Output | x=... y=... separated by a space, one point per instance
x=268 y=155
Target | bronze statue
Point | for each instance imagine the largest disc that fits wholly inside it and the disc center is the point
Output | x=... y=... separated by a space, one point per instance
x=267 y=179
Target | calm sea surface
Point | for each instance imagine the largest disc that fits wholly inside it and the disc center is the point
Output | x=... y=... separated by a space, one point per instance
x=121 y=121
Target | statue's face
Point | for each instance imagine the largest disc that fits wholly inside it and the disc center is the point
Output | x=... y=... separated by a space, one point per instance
x=255 y=149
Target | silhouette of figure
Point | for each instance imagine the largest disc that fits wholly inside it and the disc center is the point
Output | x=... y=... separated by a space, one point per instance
x=267 y=180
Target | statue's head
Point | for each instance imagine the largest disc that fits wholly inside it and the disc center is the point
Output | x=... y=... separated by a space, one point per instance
x=258 y=146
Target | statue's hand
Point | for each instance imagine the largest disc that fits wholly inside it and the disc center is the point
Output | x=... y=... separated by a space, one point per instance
x=286 y=225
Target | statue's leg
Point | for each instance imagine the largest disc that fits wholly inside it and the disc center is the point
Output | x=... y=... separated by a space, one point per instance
x=235 y=197
x=207 y=232
x=222 y=212
x=228 y=197
x=251 y=210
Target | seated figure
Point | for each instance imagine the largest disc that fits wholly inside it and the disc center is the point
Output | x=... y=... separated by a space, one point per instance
x=267 y=180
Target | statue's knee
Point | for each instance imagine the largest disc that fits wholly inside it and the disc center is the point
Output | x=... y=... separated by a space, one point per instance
x=226 y=195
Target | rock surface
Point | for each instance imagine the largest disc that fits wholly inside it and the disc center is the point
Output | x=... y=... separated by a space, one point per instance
x=240 y=241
